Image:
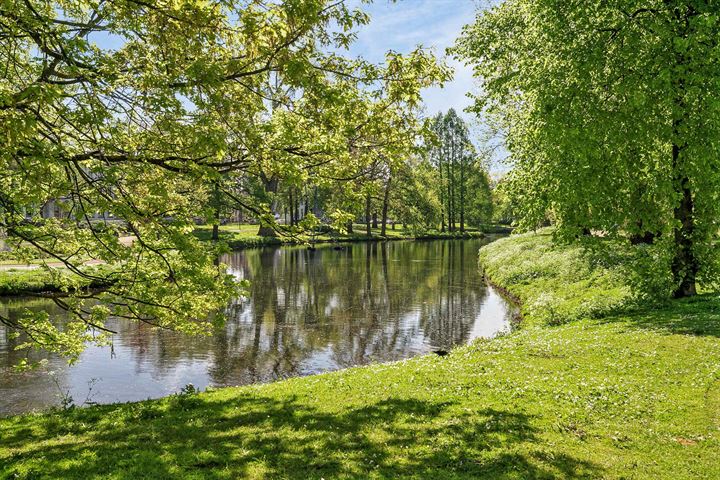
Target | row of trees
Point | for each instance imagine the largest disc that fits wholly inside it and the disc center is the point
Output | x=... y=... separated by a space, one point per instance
x=159 y=113
x=464 y=187
x=441 y=183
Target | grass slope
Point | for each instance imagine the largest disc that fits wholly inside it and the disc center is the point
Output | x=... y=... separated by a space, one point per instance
x=14 y=282
x=626 y=396
x=558 y=283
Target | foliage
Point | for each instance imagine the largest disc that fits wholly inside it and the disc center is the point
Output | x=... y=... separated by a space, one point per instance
x=608 y=115
x=463 y=186
x=505 y=206
x=416 y=202
x=146 y=116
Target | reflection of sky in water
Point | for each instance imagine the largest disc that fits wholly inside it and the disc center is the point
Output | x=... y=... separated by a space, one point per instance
x=308 y=312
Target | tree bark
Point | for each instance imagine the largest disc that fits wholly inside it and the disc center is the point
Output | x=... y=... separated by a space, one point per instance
x=291 y=200
x=451 y=214
x=442 y=200
x=386 y=201
x=462 y=194
x=216 y=213
x=685 y=264
x=271 y=187
x=367 y=215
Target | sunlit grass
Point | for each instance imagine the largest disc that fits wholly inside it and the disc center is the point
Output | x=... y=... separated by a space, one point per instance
x=629 y=395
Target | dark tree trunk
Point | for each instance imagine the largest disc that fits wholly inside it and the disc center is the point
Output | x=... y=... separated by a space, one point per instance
x=296 y=207
x=462 y=195
x=386 y=201
x=684 y=265
x=375 y=223
x=266 y=231
x=216 y=213
x=291 y=201
x=271 y=187
x=367 y=216
x=644 y=238
x=451 y=220
x=442 y=200
x=349 y=227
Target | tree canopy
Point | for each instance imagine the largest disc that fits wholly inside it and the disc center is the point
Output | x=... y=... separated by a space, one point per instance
x=611 y=118
x=139 y=112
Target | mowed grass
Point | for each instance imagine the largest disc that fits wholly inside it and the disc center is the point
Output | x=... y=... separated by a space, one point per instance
x=626 y=395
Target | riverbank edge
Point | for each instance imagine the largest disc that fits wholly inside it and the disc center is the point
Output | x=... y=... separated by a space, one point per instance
x=507 y=375
x=259 y=242
x=16 y=283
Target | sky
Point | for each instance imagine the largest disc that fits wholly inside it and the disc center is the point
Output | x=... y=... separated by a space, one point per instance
x=403 y=24
x=435 y=24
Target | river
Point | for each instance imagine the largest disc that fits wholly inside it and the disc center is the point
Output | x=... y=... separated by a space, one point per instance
x=308 y=312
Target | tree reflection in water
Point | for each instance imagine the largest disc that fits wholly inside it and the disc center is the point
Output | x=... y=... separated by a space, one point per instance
x=309 y=311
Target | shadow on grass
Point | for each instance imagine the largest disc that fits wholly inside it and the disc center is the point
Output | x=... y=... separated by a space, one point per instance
x=199 y=437
x=691 y=316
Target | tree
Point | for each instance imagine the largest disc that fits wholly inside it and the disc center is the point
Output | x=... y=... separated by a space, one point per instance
x=461 y=174
x=610 y=118
x=144 y=110
x=416 y=201
x=478 y=205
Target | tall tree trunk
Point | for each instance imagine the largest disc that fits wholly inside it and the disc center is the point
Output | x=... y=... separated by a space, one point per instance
x=216 y=213
x=297 y=207
x=451 y=216
x=271 y=187
x=462 y=195
x=375 y=223
x=367 y=215
x=306 y=209
x=442 y=199
x=685 y=264
x=386 y=201
x=349 y=227
x=291 y=201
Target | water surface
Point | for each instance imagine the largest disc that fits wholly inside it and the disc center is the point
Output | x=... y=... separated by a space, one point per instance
x=309 y=312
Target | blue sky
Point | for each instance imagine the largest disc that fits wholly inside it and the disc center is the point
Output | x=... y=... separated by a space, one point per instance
x=435 y=24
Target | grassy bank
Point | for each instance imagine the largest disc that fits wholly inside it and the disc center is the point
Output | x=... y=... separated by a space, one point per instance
x=245 y=236
x=560 y=283
x=37 y=280
x=621 y=395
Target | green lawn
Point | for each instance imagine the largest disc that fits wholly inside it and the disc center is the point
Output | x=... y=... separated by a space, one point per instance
x=622 y=395
x=37 y=280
